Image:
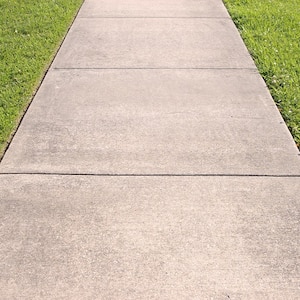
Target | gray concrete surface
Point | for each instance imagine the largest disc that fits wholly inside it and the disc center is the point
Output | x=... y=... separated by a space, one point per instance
x=155 y=121
x=157 y=9
x=149 y=237
x=160 y=91
x=153 y=43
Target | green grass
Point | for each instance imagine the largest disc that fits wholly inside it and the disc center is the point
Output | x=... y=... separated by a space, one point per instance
x=271 y=31
x=31 y=31
x=30 y=34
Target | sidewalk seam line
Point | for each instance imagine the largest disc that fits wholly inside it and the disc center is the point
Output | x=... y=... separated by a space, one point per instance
x=150 y=175
x=204 y=68
x=139 y=17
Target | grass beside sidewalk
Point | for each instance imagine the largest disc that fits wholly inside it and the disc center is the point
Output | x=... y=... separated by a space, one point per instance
x=30 y=34
x=271 y=31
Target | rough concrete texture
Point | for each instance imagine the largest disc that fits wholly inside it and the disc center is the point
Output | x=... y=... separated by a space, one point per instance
x=150 y=8
x=163 y=88
x=149 y=237
x=155 y=121
x=153 y=43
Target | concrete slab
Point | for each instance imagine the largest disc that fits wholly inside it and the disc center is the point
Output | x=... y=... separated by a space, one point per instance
x=150 y=8
x=76 y=237
x=153 y=121
x=153 y=43
x=199 y=108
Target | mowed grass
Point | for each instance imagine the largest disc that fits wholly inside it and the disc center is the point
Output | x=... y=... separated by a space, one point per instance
x=271 y=31
x=30 y=34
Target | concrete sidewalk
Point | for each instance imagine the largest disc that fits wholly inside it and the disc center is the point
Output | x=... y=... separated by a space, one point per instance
x=152 y=164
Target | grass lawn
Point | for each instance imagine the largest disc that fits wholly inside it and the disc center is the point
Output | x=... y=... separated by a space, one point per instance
x=271 y=31
x=30 y=34
x=31 y=31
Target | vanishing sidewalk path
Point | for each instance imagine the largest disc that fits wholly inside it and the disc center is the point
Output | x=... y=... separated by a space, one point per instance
x=152 y=164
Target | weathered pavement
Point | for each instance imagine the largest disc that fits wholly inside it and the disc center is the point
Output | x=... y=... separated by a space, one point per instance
x=152 y=164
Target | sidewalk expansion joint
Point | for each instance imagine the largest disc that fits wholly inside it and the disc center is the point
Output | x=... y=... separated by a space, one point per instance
x=147 y=68
x=152 y=17
x=151 y=174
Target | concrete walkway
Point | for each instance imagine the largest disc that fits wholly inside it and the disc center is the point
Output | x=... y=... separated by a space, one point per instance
x=152 y=164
